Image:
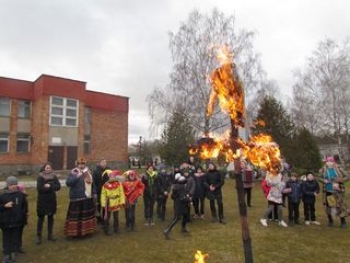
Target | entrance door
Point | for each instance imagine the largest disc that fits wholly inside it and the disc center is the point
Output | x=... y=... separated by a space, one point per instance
x=55 y=157
x=72 y=156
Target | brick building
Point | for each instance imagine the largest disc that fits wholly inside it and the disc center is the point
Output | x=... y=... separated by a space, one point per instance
x=56 y=119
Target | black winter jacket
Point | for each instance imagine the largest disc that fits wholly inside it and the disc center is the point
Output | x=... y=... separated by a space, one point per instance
x=309 y=188
x=46 y=201
x=214 y=178
x=17 y=214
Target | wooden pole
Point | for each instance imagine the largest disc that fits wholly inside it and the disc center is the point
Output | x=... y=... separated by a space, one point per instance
x=248 y=252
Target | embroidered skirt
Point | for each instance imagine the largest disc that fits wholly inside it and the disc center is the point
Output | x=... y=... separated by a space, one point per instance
x=80 y=220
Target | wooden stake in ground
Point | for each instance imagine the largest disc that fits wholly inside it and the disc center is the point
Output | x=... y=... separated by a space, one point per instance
x=227 y=88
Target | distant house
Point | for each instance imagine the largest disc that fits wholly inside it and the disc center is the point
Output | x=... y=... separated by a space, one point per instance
x=56 y=119
x=329 y=147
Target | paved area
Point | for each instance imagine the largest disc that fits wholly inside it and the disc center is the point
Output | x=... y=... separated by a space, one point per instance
x=29 y=184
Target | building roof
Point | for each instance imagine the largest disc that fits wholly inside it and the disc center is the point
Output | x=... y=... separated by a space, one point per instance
x=58 y=86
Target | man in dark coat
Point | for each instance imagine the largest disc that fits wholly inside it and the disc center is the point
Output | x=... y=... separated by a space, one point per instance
x=163 y=189
x=213 y=184
x=99 y=179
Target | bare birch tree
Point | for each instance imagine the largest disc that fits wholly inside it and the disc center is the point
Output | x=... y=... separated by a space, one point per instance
x=322 y=92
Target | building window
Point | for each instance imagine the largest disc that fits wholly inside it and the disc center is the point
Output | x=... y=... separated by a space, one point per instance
x=4 y=143
x=87 y=144
x=87 y=115
x=63 y=112
x=5 y=107
x=24 y=109
x=23 y=142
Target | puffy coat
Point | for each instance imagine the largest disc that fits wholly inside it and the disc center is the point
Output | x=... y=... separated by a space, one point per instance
x=17 y=214
x=309 y=188
x=46 y=199
x=296 y=191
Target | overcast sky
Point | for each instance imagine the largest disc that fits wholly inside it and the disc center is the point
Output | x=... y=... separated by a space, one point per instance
x=121 y=47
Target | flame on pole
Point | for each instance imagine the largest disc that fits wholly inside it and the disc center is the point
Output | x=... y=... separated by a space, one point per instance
x=260 y=150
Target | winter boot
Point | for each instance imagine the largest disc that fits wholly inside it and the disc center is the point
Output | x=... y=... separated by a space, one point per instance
x=183 y=226
x=167 y=231
x=184 y=229
x=330 y=221
x=50 y=236
x=38 y=239
x=221 y=220
x=6 y=259
x=343 y=223
x=13 y=258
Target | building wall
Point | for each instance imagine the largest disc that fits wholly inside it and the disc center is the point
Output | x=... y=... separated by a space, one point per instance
x=108 y=129
x=40 y=130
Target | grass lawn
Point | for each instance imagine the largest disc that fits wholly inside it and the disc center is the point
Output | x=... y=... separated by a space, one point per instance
x=222 y=242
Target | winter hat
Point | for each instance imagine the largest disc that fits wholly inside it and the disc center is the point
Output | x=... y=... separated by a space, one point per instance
x=179 y=177
x=330 y=159
x=115 y=173
x=81 y=161
x=131 y=174
x=11 y=180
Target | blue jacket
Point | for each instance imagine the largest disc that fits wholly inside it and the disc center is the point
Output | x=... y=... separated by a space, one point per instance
x=296 y=194
x=77 y=187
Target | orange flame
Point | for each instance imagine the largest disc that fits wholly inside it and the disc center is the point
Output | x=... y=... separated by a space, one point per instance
x=226 y=87
x=260 y=150
x=263 y=152
x=199 y=257
x=260 y=123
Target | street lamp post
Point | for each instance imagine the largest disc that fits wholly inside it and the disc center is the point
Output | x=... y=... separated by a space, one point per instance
x=140 y=141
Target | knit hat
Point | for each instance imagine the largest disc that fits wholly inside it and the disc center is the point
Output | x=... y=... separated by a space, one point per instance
x=11 y=180
x=330 y=159
x=131 y=174
x=179 y=177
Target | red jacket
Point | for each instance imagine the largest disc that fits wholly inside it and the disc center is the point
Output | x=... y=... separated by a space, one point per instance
x=132 y=190
x=265 y=187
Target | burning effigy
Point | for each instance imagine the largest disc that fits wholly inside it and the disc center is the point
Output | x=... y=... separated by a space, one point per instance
x=226 y=87
x=260 y=150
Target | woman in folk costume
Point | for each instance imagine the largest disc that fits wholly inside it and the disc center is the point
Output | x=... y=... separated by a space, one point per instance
x=334 y=192
x=133 y=188
x=112 y=199
x=81 y=220
x=47 y=185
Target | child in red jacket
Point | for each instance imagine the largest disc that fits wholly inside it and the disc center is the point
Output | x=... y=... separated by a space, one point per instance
x=133 y=188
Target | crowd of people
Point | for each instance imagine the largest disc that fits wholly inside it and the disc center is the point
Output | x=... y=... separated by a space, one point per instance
x=96 y=197
x=278 y=188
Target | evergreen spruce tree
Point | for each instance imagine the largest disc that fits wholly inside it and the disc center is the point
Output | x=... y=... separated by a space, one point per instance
x=176 y=137
x=307 y=155
x=276 y=123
